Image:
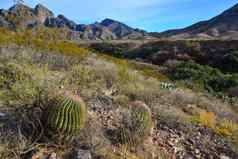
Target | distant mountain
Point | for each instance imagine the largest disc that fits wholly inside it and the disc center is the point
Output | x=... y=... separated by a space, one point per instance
x=21 y=17
x=224 y=26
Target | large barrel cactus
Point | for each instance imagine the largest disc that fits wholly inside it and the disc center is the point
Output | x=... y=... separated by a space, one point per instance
x=66 y=116
x=136 y=124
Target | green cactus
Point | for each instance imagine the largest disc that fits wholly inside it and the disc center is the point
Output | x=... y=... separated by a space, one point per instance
x=136 y=126
x=66 y=116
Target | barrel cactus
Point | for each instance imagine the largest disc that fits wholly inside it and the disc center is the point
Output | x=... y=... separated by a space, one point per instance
x=66 y=116
x=136 y=124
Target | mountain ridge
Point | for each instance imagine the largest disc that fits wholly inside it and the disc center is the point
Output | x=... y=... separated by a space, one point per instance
x=22 y=16
x=222 y=26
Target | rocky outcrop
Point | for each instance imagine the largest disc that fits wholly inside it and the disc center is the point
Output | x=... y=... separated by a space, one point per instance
x=96 y=31
x=20 y=16
x=42 y=13
x=60 y=22
x=121 y=30
x=3 y=22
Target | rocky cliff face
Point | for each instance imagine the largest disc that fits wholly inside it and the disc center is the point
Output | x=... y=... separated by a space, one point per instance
x=223 y=26
x=42 y=13
x=21 y=17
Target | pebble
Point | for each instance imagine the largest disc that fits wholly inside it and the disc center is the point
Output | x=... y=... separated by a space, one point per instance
x=83 y=154
x=224 y=157
x=53 y=156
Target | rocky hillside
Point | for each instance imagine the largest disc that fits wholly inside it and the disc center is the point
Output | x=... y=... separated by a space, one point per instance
x=223 y=26
x=62 y=101
x=22 y=17
x=129 y=99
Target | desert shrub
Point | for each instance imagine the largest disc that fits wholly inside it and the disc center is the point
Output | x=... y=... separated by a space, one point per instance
x=149 y=71
x=124 y=74
x=92 y=135
x=10 y=73
x=105 y=71
x=81 y=75
x=222 y=83
x=43 y=40
x=122 y=100
x=85 y=80
x=115 y=50
x=208 y=78
x=229 y=62
x=22 y=83
x=207 y=119
x=227 y=128
x=25 y=91
x=65 y=116
x=147 y=91
x=136 y=125
x=20 y=132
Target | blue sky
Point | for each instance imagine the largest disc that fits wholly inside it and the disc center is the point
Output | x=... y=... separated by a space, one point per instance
x=151 y=15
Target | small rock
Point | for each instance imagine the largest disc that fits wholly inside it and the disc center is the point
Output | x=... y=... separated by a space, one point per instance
x=197 y=151
x=53 y=156
x=224 y=157
x=83 y=154
x=2 y=115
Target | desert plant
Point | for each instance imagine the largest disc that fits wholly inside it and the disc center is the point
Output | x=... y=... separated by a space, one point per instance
x=66 y=117
x=121 y=100
x=205 y=77
x=227 y=128
x=168 y=86
x=207 y=119
x=136 y=125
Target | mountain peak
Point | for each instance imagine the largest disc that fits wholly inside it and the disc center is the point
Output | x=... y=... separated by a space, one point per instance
x=19 y=7
x=41 y=7
x=108 y=21
x=42 y=13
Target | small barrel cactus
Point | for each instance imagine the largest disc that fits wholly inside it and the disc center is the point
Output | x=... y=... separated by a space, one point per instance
x=66 y=116
x=136 y=125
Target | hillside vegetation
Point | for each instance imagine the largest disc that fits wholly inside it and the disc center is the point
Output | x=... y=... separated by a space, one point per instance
x=60 y=99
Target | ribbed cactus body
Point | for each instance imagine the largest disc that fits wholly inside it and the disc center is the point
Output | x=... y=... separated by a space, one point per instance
x=66 y=116
x=137 y=126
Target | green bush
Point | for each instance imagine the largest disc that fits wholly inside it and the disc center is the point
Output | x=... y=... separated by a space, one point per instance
x=208 y=78
x=21 y=84
x=124 y=74
x=229 y=62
